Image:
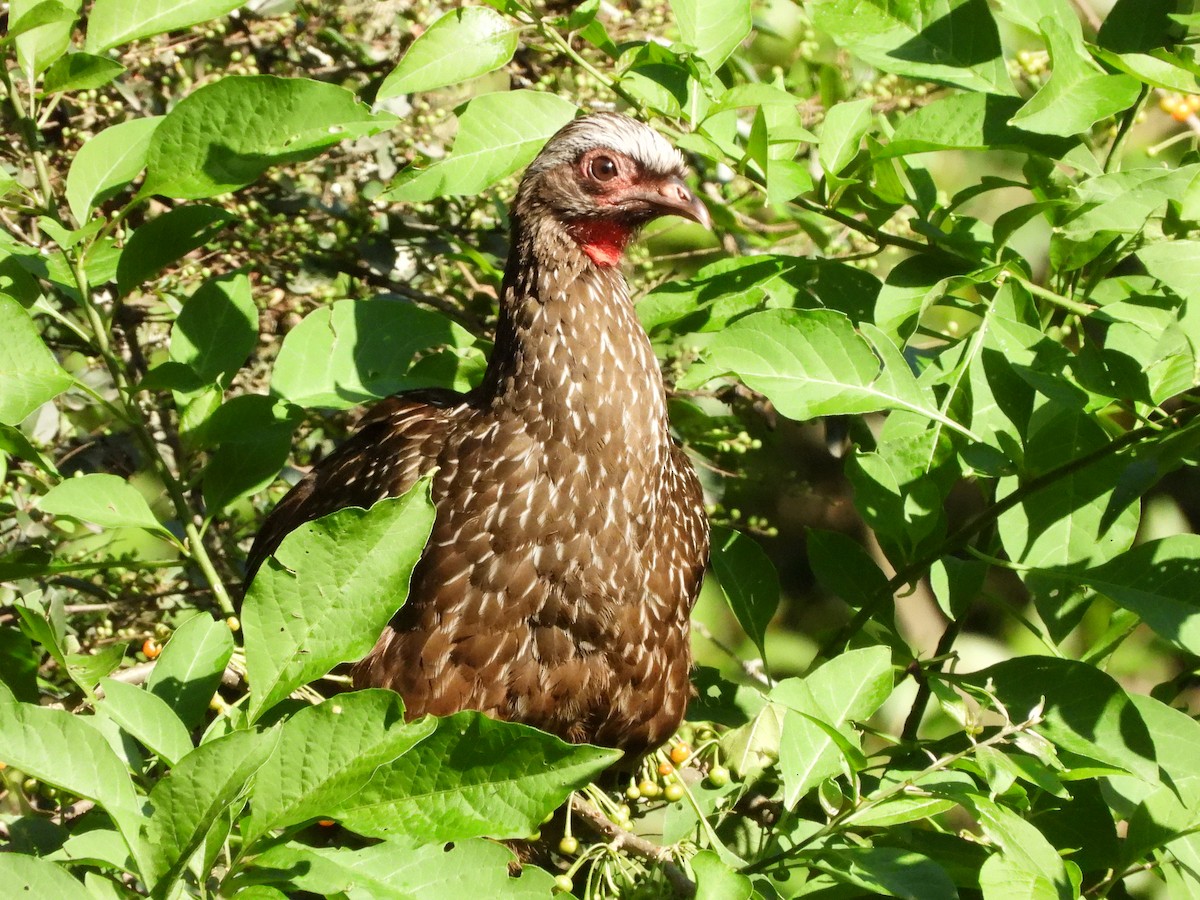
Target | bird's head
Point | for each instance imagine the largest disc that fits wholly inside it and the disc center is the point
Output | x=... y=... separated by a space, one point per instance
x=602 y=177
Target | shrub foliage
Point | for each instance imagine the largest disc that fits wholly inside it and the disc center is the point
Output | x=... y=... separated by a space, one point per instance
x=940 y=221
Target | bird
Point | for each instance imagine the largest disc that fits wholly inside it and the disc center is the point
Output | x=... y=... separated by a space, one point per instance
x=570 y=538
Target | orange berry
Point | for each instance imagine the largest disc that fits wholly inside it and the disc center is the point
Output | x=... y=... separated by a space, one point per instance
x=151 y=648
x=665 y=769
x=680 y=753
x=326 y=823
x=1193 y=102
x=1181 y=113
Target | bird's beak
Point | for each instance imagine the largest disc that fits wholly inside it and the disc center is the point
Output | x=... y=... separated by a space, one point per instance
x=673 y=197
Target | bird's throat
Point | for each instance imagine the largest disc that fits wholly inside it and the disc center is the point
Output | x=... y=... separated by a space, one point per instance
x=603 y=240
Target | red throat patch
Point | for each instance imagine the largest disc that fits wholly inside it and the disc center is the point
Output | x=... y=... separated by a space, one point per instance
x=603 y=240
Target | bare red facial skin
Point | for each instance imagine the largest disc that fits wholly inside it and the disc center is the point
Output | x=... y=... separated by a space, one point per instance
x=603 y=240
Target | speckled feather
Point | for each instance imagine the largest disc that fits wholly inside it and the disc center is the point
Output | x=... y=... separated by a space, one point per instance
x=570 y=537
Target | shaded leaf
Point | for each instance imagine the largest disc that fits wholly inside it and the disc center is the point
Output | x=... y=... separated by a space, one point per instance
x=186 y=674
x=358 y=350
x=1085 y=712
x=80 y=71
x=748 y=580
x=165 y=239
x=954 y=41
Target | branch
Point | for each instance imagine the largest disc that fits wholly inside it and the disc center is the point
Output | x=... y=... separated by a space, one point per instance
x=961 y=538
x=620 y=839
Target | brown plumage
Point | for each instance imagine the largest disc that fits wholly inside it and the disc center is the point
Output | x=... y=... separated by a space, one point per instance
x=570 y=537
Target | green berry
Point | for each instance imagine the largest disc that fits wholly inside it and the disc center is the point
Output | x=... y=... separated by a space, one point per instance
x=718 y=776
x=568 y=846
x=563 y=884
x=673 y=792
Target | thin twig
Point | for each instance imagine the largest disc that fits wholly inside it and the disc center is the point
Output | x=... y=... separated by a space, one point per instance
x=620 y=839
x=967 y=532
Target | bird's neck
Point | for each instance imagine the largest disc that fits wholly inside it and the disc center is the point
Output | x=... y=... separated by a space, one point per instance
x=569 y=346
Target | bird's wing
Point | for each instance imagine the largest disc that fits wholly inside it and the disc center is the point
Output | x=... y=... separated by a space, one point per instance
x=397 y=443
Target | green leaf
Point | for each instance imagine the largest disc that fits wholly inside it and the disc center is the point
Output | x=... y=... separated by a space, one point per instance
x=217 y=329
x=1078 y=519
x=1139 y=26
x=29 y=373
x=326 y=754
x=969 y=122
x=87 y=669
x=846 y=124
x=748 y=580
x=717 y=881
x=1160 y=581
x=812 y=363
x=473 y=777
x=1085 y=711
x=147 y=717
x=1027 y=865
x=1176 y=264
x=359 y=350
x=1079 y=93
x=253 y=437
x=19 y=672
x=200 y=789
x=114 y=22
x=1172 y=808
x=730 y=288
x=850 y=687
x=226 y=134
x=108 y=162
x=165 y=239
x=80 y=71
x=188 y=671
x=401 y=872
x=497 y=135
x=714 y=28
x=844 y=568
x=889 y=871
x=58 y=748
x=328 y=592
x=28 y=876
x=461 y=45
x=34 y=16
x=105 y=500
x=954 y=41
x=39 y=46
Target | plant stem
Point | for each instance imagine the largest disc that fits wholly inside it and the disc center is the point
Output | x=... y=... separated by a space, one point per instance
x=194 y=548
x=29 y=127
x=1073 y=306
x=1127 y=120
x=967 y=532
x=903 y=787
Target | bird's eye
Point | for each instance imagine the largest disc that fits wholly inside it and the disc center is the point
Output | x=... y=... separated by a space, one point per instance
x=602 y=168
